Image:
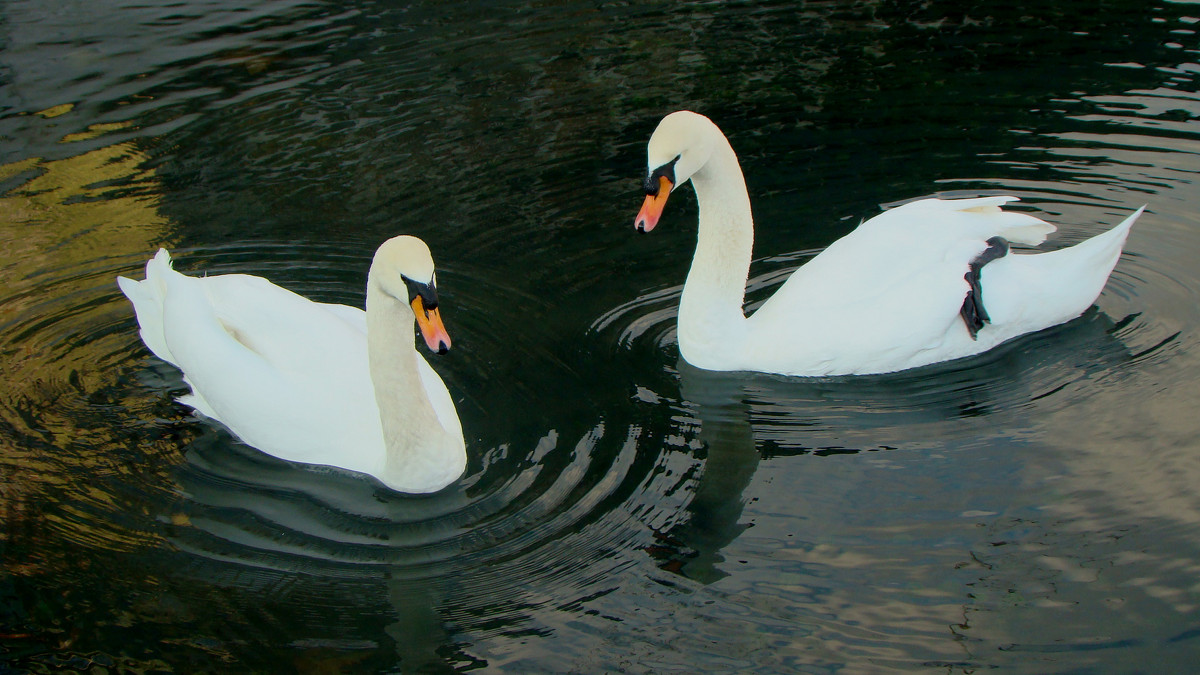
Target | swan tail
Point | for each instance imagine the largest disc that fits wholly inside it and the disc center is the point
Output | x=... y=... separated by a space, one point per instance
x=1114 y=240
x=1040 y=290
x=148 y=298
x=1095 y=258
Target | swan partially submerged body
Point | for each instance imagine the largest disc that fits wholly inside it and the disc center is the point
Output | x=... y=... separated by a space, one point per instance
x=312 y=382
x=930 y=281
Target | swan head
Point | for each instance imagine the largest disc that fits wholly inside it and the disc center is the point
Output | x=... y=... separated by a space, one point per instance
x=679 y=147
x=403 y=268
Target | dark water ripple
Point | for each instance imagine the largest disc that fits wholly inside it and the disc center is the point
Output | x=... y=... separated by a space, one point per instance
x=534 y=507
x=516 y=496
x=1031 y=509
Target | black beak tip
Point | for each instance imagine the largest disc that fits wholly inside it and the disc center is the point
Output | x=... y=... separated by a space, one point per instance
x=443 y=348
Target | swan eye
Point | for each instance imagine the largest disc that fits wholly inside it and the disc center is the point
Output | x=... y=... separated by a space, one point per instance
x=651 y=184
x=427 y=292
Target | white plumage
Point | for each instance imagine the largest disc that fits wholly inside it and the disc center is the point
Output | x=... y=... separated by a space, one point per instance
x=885 y=297
x=313 y=382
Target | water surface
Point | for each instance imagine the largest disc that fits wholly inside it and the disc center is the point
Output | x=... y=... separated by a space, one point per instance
x=1033 y=509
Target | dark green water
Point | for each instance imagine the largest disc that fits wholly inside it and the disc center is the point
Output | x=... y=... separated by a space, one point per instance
x=1034 y=510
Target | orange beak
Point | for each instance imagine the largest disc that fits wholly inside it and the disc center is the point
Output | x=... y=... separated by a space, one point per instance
x=652 y=208
x=430 y=323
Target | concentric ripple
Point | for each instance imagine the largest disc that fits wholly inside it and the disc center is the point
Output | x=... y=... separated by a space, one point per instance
x=1032 y=509
x=568 y=505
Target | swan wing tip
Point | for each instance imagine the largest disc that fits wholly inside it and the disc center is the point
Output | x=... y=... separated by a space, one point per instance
x=1031 y=234
x=162 y=258
x=987 y=204
x=128 y=286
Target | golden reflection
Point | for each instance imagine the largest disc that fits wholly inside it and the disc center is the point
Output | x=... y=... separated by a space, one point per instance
x=95 y=130
x=61 y=216
x=60 y=219
x=55 y=111
x=57 y=228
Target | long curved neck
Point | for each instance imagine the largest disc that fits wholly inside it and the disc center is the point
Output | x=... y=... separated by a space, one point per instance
x=416 y=442
x=711 y=321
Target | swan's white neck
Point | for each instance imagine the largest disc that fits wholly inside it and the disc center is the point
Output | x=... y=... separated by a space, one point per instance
x=711 y=322
x=418 y=447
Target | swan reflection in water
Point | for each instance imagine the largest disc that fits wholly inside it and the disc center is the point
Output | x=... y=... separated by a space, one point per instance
x=744 y=417
x=713 y=520
x=428 y=566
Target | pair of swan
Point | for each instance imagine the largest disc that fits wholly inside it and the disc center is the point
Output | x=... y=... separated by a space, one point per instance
x=316 y=383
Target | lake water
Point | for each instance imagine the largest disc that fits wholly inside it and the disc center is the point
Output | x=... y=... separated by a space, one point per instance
x=1033 y=510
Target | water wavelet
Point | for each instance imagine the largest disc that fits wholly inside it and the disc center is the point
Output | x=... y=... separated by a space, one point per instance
x=728 y=425
x=554 y=503
x=1030 y=512
x=64 y=411
x=1117 y=149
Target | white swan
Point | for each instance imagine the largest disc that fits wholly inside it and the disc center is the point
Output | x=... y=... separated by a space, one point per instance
x=925 y=282
x=312 y=382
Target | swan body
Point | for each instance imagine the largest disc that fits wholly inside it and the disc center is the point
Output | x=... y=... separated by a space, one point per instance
x=891 y=295
x=312 y=382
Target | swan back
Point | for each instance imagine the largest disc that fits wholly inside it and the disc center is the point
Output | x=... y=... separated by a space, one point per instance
x=312 y=382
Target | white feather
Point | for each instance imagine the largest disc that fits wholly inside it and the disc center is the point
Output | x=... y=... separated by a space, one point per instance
x=885 y=297
x=294 y=378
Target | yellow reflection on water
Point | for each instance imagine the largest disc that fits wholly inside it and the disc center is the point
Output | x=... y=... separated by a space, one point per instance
x=57 y=110
x=63 y=215
x=57 y=300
